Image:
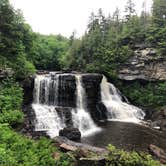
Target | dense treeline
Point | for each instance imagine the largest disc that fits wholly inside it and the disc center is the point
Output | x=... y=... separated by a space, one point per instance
x=23 y=50
x=107 y=43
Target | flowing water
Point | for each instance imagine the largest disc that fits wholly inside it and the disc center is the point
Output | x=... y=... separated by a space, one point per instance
x=46 y=95
x=53 y=90
x=81 y=118
x=117 y=109
x=128 y=136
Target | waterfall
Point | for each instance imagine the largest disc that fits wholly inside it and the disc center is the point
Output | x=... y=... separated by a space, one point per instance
x=60 y=100
x=117 y=109
x=81 y=118
x=45 y=98
x=48 y=96
x=47 y=119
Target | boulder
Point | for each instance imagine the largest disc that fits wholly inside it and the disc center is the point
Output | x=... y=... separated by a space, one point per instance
x=159 y=119
x=158 y=153
x=66 y=147
x=70 y=133
x=81 y=146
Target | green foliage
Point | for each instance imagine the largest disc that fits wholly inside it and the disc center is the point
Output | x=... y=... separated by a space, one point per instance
x=11 y=96
x=65 y=160
x=16 y=41
x=159 y=12
x=123 y=158
x=16 y=150
x=47 y=52
x=145 y=94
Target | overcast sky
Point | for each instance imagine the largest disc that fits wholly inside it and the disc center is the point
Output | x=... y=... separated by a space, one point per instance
x=65 y=16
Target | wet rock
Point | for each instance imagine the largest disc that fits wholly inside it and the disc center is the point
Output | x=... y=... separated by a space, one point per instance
x=66 y=147
x=91 y=83
x=66 y=91
x=145 y=65
x=71 y=133
x=81 y=146
x=102 y=111
x=65 y=113
x=159 y=119
x=28 y=85
x=158 y=153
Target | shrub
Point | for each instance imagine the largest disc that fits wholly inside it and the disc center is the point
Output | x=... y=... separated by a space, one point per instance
x=122 y=158
x=11 y=95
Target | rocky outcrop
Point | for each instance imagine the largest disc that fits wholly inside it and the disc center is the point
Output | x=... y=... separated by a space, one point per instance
x=145 y=65
x=158 y=119
x=158 y=153
x=80 y=146
x=91 y=83
x=66 y=90
x=27 y=85
x=85 y=155
x=71 y=133
x=65 y=113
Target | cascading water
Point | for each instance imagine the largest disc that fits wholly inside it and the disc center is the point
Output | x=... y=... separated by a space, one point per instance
x=48 y=97
x=81 y=118
x=60 y=99
x=47 y=118
x=117 y=109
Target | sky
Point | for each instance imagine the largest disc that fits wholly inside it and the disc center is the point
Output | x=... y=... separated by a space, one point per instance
x=65 y=16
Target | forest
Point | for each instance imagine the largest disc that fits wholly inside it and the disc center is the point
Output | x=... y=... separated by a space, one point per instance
x=108 y=42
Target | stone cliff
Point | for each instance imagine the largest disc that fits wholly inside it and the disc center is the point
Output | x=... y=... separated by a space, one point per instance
x=144 y=65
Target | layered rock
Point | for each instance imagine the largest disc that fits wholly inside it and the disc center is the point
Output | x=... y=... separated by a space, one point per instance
x=66 y=90
x=159 y=120
x=71 y=133
x=145 y=65
x=91 y=83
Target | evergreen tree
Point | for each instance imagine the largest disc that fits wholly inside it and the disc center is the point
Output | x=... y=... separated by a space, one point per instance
x=129 y=9
x=159 y=12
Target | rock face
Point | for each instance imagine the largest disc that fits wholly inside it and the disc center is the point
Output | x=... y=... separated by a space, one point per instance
x=86 y=155
x=91 y=83
x=65 y=113
x=71 y=133
x=158 y=153
x=159 y=119
x=85 y=147
x=28 y=85
x=145 y=65
x=67 y=88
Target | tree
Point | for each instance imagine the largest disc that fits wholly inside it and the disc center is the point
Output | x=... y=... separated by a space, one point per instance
x=129 y=9
x=159 y=12
x=15 y=40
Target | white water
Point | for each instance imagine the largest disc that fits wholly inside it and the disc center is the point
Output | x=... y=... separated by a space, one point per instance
x=46 y=95
x=81 y=118
x=47 y=118
x=117 y=109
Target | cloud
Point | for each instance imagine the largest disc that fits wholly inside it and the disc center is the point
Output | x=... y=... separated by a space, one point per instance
x=64 y=16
